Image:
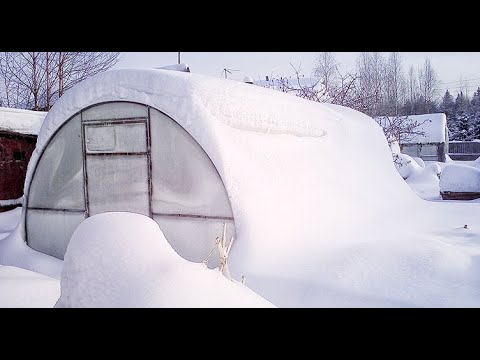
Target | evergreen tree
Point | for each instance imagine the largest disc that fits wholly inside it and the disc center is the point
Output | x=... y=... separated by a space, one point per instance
x=461 y=103
x=474 y=114
x=463 y=130
x=447 y=105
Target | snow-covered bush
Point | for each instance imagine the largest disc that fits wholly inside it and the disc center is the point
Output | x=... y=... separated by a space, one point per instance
x=394 y=147
x=419 y=161
x=405 y=164
x=460 y=178
x=123 y=260
x=412 y=169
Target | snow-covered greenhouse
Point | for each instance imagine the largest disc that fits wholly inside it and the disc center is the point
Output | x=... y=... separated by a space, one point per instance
x=196 y=152
x=115 y=152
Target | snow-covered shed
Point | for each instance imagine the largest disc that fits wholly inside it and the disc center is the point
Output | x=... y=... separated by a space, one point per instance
x=433 y=145
x=18 y=135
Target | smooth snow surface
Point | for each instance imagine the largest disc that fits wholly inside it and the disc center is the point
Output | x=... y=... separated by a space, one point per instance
x=460 y=178
x=15 y=252
x=123 y=260
x=21 y=121
x=23 y=288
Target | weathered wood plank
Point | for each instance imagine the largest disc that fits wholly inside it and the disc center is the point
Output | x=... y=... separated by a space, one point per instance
x=450 y=195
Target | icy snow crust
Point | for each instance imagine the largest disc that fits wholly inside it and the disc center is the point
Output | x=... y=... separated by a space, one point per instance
x=21 y=121
x=323 y=218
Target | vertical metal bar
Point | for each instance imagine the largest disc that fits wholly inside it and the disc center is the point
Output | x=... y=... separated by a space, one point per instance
x=85 y=174
x=149 y=161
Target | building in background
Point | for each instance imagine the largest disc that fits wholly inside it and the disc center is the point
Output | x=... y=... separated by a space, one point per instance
x=432 y=145
x=18 y=136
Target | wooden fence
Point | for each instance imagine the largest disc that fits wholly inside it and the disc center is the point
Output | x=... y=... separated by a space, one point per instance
x=464 y=150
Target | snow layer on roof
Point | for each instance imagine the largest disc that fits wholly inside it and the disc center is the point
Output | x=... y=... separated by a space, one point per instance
x=434 y=127
x=21 y=121
x=309 y=194
x=176 y=67
x=460 y=178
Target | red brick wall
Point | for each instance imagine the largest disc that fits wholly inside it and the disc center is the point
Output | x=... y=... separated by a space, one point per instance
x=12 y=171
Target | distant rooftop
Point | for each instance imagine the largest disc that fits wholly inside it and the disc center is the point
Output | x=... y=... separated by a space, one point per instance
x=434 y=128
x=25 y=122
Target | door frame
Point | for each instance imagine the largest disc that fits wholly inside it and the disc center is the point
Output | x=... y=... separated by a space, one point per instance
x=117 y=121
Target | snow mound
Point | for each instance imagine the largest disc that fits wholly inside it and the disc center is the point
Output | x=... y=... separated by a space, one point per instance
x=413 y=168
x=448 y=159
x=460 y=178
x=419 y=161
x=21 y=121
x=406 y=165
x=395 y=147
x=23 y=288
x=124 y=260
x=476 y=163
x=15 y=252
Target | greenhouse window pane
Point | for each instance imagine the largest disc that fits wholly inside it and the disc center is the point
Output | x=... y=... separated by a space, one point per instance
x=116 y=138
x=118 y=183
x=184 y=178
x=58 y=179
x=100 y=138
x=50 y=231
x=193 y=239
x=115 y=110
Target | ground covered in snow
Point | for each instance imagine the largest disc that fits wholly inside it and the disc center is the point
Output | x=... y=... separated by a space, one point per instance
x=323 y=217
x=23 y=288
x=459 y=176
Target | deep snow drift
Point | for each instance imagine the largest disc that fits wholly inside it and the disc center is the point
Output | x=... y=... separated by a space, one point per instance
x=323 y=218
x=124 y=260
x=23 y=288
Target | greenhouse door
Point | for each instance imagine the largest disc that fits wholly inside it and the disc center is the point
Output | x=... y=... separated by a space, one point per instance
x=117 y=166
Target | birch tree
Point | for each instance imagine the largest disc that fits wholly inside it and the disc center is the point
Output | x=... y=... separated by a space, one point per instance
x=35 y=80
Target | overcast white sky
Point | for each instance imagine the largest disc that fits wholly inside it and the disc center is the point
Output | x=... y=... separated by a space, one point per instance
x=450 y=66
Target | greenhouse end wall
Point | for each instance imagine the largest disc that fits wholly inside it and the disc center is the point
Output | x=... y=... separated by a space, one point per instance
x=122 y=156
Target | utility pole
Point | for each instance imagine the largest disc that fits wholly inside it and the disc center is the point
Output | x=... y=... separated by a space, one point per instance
x=179 y=57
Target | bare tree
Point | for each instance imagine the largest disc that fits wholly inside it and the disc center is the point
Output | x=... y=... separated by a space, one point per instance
x=371 y=74
x=326 y=71
x=22 y=75
x=400 y=128
x=34 y=80
x=428 y=84
x=463 y=86
x=412 y=88
x=394 y=88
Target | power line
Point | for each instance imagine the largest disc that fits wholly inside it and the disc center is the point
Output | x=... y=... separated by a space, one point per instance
x=463 y=80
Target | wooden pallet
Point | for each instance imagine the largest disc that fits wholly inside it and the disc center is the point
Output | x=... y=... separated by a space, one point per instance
x=450 y=195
